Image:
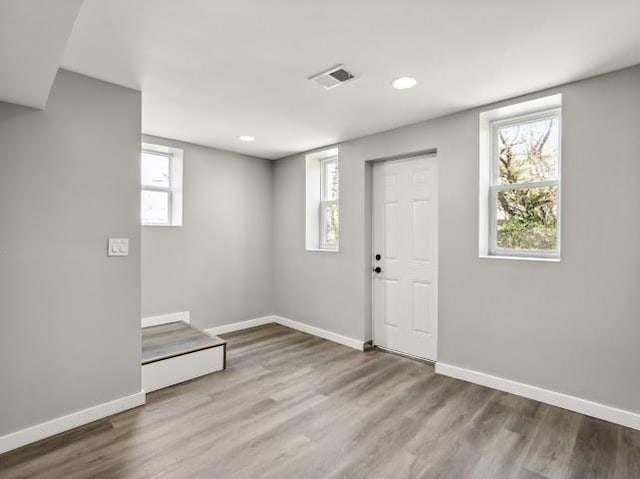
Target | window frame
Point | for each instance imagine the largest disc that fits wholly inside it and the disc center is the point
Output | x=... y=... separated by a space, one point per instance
x=324 y=202
x=165 y=189
x=495 y=186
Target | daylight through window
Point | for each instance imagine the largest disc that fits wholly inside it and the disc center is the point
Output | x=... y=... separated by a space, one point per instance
x=329 y=226
x=323 y=203
x=524 y=191
x=161 y=180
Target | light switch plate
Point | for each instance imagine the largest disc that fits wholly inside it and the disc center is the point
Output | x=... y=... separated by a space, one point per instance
x=118 y=247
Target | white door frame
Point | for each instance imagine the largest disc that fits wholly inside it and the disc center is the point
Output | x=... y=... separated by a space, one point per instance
x=436 y=256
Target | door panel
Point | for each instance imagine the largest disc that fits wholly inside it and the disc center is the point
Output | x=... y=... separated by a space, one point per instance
x=420 y=307
x=405 y=234
x=393 y=302
x=421 y=225
x=391 y=241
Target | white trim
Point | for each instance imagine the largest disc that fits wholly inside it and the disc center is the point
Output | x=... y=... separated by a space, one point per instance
x=50 y=428
x=183 y=316
x=289 y=323
x=240 y=325
x=572 y=403
x=522 y=258
x=322 y=333
x=170 y=371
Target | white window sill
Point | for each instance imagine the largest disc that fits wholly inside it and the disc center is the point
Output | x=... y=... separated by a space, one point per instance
x=323 y=250
x=521 y=258
x=161 y=226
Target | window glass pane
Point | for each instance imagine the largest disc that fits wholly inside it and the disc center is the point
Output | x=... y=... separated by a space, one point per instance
x=330 y=227
x=155 y=170
x=528 y=152
x=155 y=207
x=330 y=180
x=527 y=219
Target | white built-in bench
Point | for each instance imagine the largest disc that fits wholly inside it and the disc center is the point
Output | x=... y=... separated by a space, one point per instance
x=176 y=352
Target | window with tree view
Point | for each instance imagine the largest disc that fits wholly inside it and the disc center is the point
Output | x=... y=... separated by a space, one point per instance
x=525 y=186
x=329 y=217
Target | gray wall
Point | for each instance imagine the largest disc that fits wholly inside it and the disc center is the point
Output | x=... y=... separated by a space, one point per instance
x=217 y=265
x=572 y=326
x=69 y=315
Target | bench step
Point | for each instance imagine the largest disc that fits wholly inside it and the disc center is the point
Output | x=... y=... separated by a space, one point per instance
x=176 y=352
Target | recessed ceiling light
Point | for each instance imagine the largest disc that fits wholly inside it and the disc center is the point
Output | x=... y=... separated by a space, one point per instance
x=247 y=138
x=404 y=83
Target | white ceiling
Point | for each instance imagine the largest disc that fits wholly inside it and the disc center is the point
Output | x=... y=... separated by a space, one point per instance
x=211 y=70
x=33 y=37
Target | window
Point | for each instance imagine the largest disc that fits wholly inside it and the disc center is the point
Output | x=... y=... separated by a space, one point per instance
x=329 y=203
x=523 y=193
x=323 y=211
x=161 y=195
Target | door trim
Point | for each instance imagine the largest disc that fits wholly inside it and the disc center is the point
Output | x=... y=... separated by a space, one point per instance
x=430 y=154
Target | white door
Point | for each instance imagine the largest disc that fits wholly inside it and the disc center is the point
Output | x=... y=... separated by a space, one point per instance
x=405 y=236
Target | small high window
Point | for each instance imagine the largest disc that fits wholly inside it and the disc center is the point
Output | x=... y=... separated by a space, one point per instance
x=323 y=211
x=161 y=191
x=329 y=203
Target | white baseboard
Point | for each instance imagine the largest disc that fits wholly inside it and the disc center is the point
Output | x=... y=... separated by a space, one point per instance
x=572 y=403
x=240 y=325
x=166 y=318
x=35 y=433
x=322 y=333
x=305 y=328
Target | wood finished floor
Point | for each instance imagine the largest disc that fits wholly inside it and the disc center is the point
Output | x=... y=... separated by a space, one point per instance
x=295 y=406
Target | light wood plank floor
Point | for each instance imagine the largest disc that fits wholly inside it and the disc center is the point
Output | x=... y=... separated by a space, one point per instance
x=295 y=406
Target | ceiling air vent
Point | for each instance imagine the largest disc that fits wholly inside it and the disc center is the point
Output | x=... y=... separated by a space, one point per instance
x=334 y=77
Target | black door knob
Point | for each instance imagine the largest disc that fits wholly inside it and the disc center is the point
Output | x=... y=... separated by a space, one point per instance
x=378 y=269
x=378 y=257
